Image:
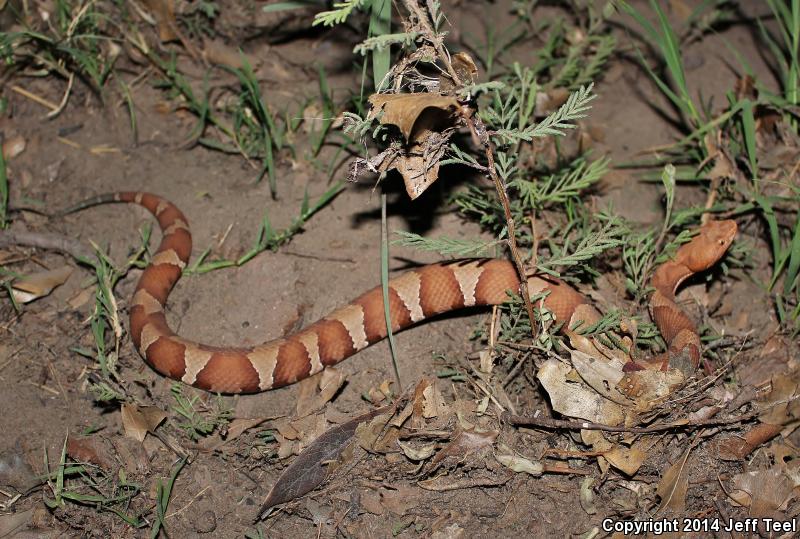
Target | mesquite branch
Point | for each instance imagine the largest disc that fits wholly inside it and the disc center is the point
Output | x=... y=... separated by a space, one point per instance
x=482 y=134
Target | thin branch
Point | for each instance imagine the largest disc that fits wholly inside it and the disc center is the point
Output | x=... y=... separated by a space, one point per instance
x=54 y=242
x=550 y=423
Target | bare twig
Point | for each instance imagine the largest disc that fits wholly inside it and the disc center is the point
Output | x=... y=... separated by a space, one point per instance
x=550 y=423
x=479 y=129
x=55 y=242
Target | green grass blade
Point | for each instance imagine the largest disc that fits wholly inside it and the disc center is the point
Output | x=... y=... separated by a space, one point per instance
x=749 y=132
x=794 y=260
x=385 y=289
x=380 y=23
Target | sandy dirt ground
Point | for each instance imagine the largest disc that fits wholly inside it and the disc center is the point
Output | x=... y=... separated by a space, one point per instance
x=89 y=149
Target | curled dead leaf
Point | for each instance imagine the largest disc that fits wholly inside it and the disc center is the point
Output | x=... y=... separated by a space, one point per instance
x=519 y=464
x=463 y=444
x=137 y=421
x=574 y=399
x=406 y=110
x=417 y=453
x=626 y=459
x=39 y=284
x=91 y=450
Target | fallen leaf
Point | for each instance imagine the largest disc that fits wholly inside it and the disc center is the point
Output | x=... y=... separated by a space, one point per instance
x=464 y=443
x=520 y=464
x=781 y=403
x=138 y=420
x=13 y=146
x=91 y=450
x=417 y=453
x=39 y=284
x=433 y=404
x=587 y=497
x=764 y=491
x=309 y=469
x=574 y=399
x=164 y=13
x=218 y=53
x=371 y=502
x=399 y=500
x=81 y=298
x=240 y=425
x=626 y=459
x=404 y=110
x=673 y=487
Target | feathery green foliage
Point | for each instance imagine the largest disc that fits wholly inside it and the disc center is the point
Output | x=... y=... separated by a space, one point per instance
x=445 y=246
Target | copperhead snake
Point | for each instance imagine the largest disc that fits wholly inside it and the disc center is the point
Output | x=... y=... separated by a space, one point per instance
x=413 y=296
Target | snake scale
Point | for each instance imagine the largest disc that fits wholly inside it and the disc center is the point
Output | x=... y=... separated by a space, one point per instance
x=413 y=296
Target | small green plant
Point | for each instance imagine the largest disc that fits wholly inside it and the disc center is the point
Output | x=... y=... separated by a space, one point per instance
x=163 y=495
x=87 y=485
x=267 y=238
x=105 y=315
x=199 y=420
x=71 y=45
x=730 y=138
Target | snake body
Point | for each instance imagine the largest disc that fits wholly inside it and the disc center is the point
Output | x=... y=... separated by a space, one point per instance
x=413 y=296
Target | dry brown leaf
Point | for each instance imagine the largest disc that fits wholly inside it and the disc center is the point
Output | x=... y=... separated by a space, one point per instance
x=464 y=443
x=781 y=402
x=416 y=453
x=375 y=437
x=574 y=399
x=520 y=464
x=91 y=450
x=764 y=491
x=164 y=13
x=308 y=470
x=433 y=404
x=240 y=425
x=13 y=146
x=330 y=382
x=81 y=298
x=137 y=421
x=587 y=498
x=404 y=110
x=426 y=121
x=673 y=486
x=419 y=169
x=39 y=284
x=371 y=502
x=626 y=459
x=218 y=53
x=375 y=395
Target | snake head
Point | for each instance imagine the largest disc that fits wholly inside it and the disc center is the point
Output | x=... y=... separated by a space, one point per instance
x=710 y=245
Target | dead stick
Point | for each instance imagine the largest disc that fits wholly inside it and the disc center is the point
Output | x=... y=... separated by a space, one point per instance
x=550 y=423
x=55 y=242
